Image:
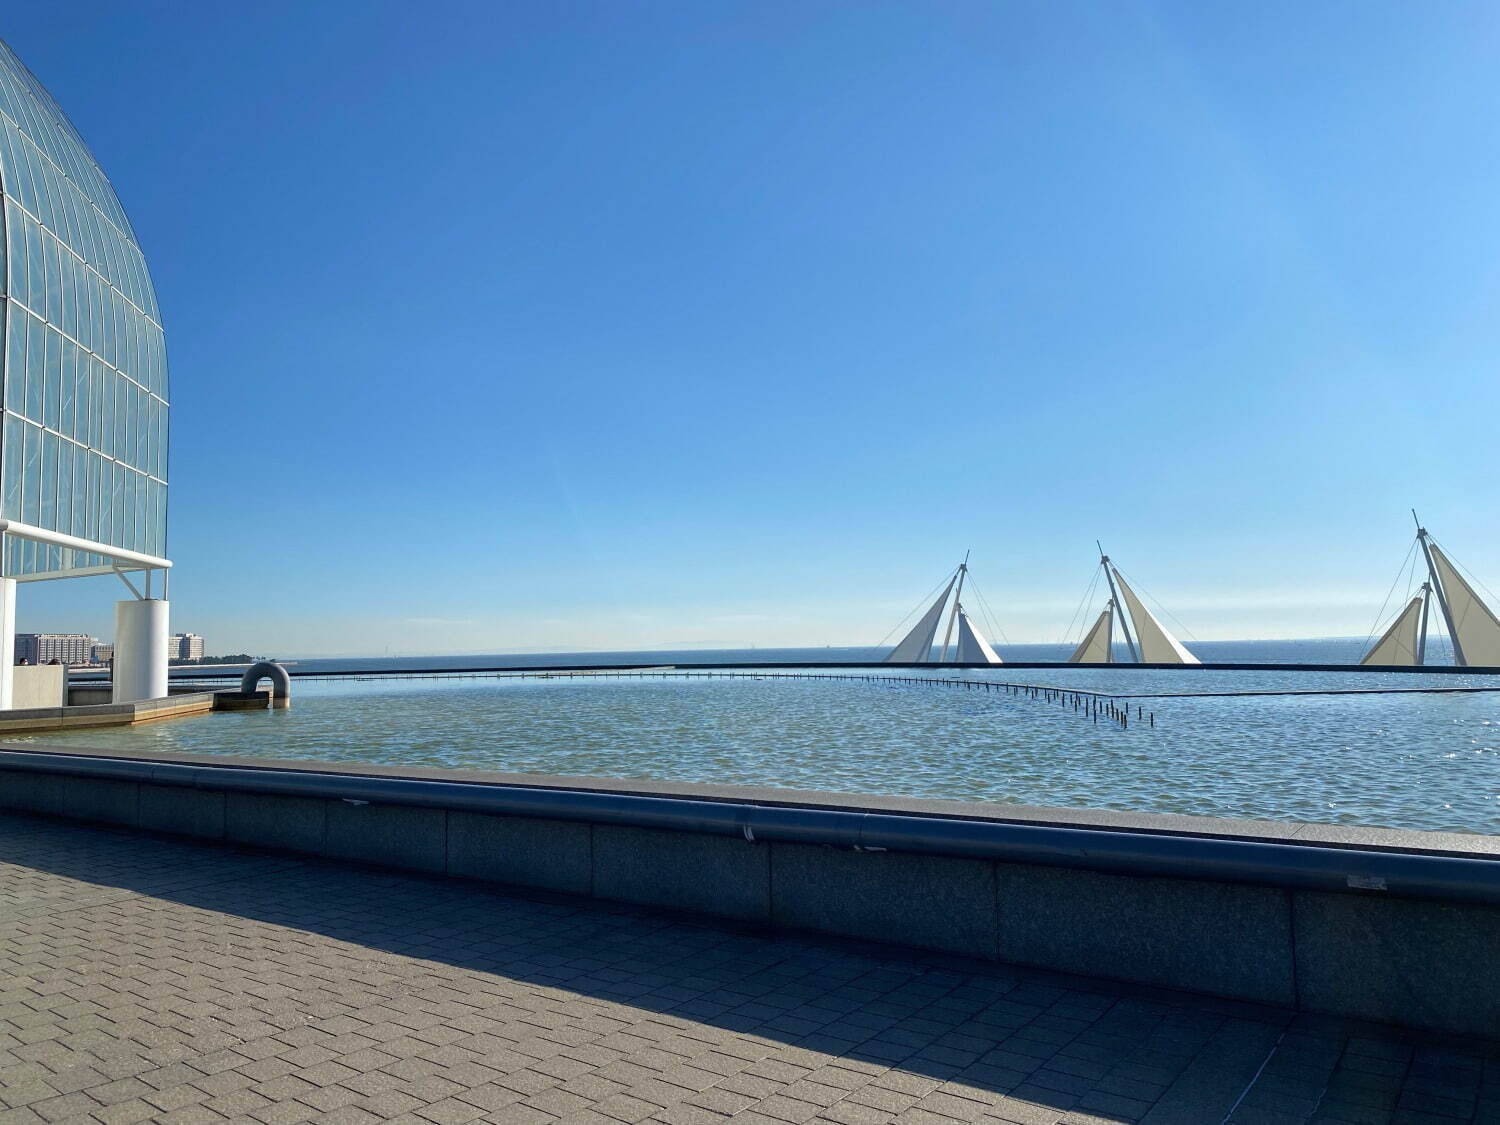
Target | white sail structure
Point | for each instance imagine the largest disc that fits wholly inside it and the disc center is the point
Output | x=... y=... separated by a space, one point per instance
x=1474 y=629
x=1095 y=647
x=1472 y=625
x=1401 y=644
x=916 y=646
x=1146 y=639
x=972 y=647
x=1157 y=646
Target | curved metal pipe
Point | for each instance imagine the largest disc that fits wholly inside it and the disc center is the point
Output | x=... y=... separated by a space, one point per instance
x=1229 y=859
x=281 y=683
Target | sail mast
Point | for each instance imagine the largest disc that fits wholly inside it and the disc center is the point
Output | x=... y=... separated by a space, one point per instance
x=1422 y=628
x=963 y=569
x=1475 y=623
x=1115 y=596
x=1442 y=595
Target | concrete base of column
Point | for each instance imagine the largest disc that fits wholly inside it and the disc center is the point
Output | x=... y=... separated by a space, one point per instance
x=140 y=649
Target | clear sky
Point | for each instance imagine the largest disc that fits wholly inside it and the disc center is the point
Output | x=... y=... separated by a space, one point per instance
x=510 y=326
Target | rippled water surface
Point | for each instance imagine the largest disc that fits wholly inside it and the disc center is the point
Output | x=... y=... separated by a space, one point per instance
x=1407 y=760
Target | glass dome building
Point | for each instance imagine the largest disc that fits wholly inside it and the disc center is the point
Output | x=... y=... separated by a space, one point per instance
x=83 y=442
x=85 y=382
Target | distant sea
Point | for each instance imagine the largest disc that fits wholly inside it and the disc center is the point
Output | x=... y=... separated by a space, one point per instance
x=1333 y=650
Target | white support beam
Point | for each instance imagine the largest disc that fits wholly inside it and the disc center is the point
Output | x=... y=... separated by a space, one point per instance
x=121 y=558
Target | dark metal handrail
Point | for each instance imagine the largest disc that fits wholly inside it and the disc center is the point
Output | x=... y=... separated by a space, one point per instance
x=189 y=673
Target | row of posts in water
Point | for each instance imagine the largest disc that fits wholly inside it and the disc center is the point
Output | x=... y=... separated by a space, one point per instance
x=1096 y=706
x=1092 y=704
x=1088 y=703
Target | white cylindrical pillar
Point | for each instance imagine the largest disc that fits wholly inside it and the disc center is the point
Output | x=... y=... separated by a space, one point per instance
x=7 y=643
x=140 y=649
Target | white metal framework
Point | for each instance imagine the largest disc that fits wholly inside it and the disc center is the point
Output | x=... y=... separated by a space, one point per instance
x=119 y=558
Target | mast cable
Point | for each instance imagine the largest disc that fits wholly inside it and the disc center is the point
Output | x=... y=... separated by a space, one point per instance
x=925 y=601
x=1408 y=565
x=990 y=621
x=1087 y=601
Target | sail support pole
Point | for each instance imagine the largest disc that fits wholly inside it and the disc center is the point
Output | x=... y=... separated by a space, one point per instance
x=963 y=569
x=1115 y=595
x=1442 y=596
x=1422 y=628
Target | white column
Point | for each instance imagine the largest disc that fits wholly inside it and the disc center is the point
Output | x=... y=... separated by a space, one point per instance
x=140 y=649
x=7 y=643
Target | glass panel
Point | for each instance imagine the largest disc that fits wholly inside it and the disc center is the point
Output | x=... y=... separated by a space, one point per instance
x=31 y=474
x=62 y=519
x=132 y=422
x=107 y=411
x=15 y=246
x=14 y=439
x=96 y=404
x=137 y=502
x=73 y=404
x=106 y=496
x=47 y=514
x=35 y=367
x=53 y=266
x=70 y=295
x=36 y=280
x=81 y=377
x=91 y=497
x=117 y=504
x=80 y=491
x=15 y=360
x=52 y=403
x=121 y=417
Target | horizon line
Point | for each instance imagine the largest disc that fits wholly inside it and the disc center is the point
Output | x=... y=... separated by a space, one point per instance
x=569 y=651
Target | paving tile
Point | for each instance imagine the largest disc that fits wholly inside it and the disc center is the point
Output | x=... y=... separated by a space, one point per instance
x=125 y=1113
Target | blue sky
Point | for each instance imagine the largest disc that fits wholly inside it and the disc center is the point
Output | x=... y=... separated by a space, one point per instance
x=499 y=327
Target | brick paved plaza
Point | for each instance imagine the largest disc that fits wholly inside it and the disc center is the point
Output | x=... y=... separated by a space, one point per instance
x=152 y=979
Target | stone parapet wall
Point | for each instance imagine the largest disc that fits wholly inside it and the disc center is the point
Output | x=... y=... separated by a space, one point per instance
x=1413 y=957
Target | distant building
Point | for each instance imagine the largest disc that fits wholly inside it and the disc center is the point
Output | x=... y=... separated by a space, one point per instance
x=103 y=654
x=43 y=648
x=186 y=646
